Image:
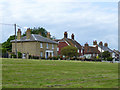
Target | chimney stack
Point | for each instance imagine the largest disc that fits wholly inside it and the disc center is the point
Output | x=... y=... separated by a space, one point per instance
x=28 y=33
x=72 y=36
x=101 y=44
x=86 y=44
x=106 y=45
x=95 y=42
x=40 y=34
x=18 y=34
x=65 y=35
x=48 y=35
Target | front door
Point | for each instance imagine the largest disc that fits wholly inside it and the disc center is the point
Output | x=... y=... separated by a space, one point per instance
x=46 y=55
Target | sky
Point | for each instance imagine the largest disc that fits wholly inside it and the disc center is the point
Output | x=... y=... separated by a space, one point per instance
x=87 y=20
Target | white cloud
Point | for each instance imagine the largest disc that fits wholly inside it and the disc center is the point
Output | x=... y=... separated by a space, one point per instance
x=59 y=16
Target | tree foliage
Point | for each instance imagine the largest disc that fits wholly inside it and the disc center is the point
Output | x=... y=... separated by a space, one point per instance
x=7 y=44
x=105 y=54
x=37 y=31
x=69 y=51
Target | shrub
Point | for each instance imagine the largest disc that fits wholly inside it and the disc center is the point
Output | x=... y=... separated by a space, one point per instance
x=19 y=55
x=42 y=57
x=109 y=59
x=35 y=57
x=13 y=55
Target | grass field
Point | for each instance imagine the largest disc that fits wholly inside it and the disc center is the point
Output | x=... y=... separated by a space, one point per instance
x=18 y=73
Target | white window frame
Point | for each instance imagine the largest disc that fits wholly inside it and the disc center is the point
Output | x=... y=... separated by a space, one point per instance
x=41 y=45
x=47 y=45
x=52 y=46
x=57 y=48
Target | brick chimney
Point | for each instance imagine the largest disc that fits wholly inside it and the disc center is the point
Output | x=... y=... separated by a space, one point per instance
x=72 y=36
x=86 y=44
x=40 y=33
x=48 y=35
x=106 y=45
x=95 y=42
x=18 y=34
x=65 y=35
x=101 y=44
x=28 y=33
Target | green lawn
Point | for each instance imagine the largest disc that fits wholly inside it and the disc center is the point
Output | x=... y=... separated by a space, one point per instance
x=18 y=73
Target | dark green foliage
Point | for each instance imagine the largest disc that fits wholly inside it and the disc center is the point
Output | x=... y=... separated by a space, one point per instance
x=109 y=59
x=69 y=51
x=19 y=55
x=3 y=52
x=37 y=31
x=13 y=56
x=7 y=44
x=105 y=55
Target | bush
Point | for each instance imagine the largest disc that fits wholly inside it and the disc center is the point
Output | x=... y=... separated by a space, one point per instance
x=13 y=56
x=19 y=55
x=109 y=59
x=50 y=58
x=42 y=57
x=35 y=57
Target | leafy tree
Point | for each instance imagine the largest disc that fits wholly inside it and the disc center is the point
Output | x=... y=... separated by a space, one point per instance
x=105 y=55
x=7 y=44
x=37 y=31
x=69 y=51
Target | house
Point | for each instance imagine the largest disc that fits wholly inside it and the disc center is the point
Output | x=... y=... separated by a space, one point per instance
x=69 y=42
x=91 y=52
x=105 y=47
x=35 y=45
x=116 y=54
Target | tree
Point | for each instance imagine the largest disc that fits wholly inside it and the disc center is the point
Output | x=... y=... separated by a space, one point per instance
x=69 y=51
x=105 y=54
x=7 y=44
x=37 y=31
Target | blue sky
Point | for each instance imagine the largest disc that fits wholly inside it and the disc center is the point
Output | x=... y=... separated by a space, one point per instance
x=87 y=20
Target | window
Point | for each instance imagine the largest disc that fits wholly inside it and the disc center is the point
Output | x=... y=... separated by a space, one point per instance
x=57 y=49
x=41 y=54
x=81 y=51
x=78 y=50
x=47 y=45
x=52 y=46
x=41 y=46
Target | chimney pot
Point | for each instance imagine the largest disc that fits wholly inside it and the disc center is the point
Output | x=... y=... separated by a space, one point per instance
x=101 y=44
x=65 y=35
x=95 y=42
x=106 y=45
x=72 y=36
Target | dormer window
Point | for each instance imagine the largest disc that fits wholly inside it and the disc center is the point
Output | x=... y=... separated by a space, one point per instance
x=47 y=45
x=41 y=46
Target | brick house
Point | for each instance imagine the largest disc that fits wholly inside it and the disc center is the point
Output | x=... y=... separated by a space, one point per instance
x=69 y=42
x=35 y=45
x=91 y=51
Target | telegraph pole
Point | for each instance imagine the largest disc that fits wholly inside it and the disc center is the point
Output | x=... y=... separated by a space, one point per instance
x=15 y=41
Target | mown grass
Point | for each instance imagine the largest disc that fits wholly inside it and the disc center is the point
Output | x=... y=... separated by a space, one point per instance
x=23 y=73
